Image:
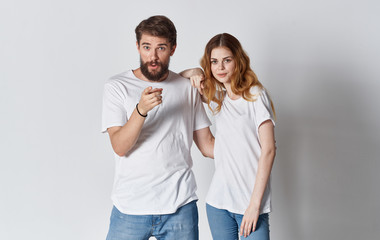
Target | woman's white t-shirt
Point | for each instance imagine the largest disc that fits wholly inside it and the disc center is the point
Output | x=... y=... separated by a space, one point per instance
x=237 y=151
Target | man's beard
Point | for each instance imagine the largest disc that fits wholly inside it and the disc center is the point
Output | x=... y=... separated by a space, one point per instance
x=156 y=75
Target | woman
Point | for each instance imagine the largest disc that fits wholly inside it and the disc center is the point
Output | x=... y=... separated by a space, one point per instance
x=239 y=196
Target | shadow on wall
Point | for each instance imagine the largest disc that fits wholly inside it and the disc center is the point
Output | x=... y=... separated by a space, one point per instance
x=325 y=175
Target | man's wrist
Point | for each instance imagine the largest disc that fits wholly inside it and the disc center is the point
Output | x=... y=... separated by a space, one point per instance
x=140 y=113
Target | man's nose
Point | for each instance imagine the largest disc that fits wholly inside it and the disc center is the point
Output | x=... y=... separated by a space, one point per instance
x=153 y=55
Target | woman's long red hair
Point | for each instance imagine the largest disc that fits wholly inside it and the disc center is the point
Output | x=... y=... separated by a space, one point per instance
x=243 y=78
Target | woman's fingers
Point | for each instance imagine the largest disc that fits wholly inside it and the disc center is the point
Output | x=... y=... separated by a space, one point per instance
x=247 y=227
x=242 y=227
x=197 y=82
x=254 y=226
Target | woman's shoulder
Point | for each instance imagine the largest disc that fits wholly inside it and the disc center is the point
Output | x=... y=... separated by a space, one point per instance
x=257 y=91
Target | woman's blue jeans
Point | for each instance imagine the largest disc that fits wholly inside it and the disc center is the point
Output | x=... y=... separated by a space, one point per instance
x=225 y=225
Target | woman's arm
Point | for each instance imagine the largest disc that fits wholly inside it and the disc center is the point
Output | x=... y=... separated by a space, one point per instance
x=196 y=77
x=205 y=141
x=268 y=153
x=188 y=73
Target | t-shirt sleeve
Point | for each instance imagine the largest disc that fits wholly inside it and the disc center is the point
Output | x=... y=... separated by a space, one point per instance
x=114 y=112
x=263 y=109
x=201 y=119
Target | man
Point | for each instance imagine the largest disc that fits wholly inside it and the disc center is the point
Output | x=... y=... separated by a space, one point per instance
x=152 y=116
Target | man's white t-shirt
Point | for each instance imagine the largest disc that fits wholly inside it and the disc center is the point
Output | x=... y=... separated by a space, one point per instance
x=155 y=176
x=237 y=151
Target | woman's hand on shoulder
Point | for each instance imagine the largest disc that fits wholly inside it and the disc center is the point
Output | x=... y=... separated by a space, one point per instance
x=197 y=82
x=196 y=76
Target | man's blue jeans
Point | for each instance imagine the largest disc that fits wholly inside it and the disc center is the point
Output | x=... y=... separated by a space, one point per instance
x=183 y=224
x=225 y=225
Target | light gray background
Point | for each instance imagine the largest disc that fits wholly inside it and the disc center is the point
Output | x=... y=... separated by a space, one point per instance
x=318 y=59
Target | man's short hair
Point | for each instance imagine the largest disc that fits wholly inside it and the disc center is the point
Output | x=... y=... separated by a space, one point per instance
x=158 y=26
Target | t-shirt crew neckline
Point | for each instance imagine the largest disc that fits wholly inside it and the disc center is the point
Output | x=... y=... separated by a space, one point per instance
x=233 y=100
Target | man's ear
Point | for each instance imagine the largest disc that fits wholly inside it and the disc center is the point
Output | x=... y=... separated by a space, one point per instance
x=173 y=50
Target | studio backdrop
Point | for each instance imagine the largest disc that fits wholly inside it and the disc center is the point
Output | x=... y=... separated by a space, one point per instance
x=319 y=61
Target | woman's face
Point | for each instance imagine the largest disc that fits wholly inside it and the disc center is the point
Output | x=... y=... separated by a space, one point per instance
x=222 y=64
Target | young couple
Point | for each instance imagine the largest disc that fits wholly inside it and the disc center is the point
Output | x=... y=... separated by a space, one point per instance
x=153 y=115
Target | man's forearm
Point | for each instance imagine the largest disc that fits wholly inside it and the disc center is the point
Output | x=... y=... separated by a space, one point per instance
x=125 y=137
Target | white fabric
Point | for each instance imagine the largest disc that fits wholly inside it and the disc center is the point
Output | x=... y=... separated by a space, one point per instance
x=155 y=176
x=237 y=151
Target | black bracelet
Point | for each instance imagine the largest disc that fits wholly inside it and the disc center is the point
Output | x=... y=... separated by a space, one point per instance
x=139 y=112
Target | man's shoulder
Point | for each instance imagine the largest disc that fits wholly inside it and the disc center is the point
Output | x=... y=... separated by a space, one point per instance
x=118 y=83
x=179 y=79
x=121 y=79
x=123 y=76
